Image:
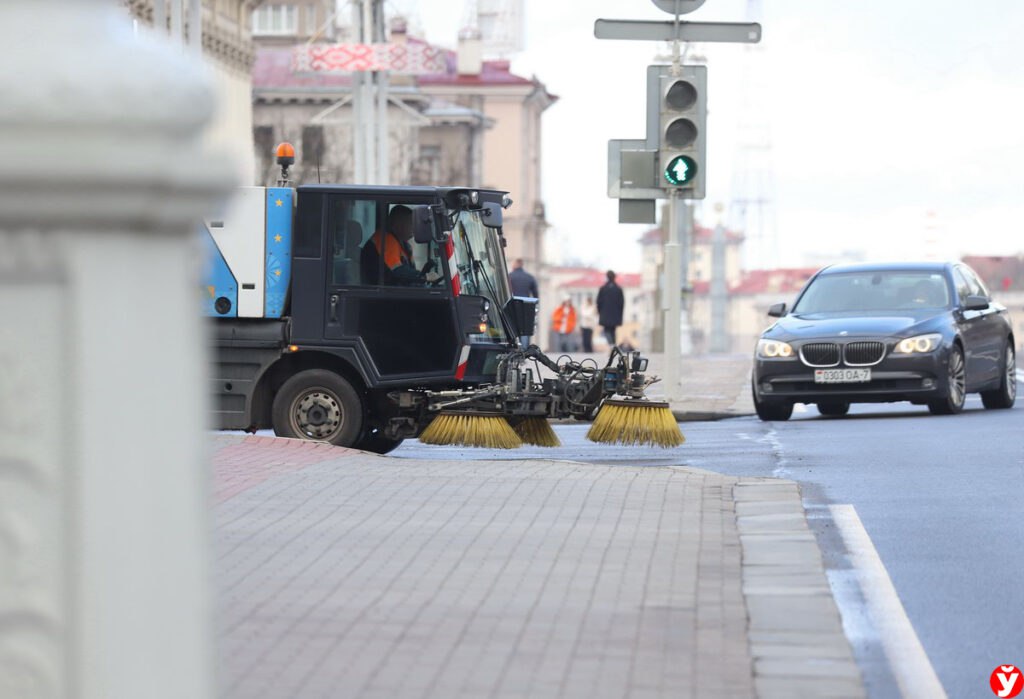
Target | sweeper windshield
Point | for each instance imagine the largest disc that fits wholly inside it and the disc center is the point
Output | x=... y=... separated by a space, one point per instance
x=481 y=269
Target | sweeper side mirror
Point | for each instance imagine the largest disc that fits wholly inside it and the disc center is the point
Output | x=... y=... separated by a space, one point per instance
x=492 y=214
x=422 y=224
x=521 y=312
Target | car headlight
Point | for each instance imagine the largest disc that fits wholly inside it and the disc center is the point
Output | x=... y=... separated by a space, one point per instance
x=773 y=349
x=918 y=343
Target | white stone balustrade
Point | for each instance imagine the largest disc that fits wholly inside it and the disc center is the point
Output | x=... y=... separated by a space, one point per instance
x=104 y=519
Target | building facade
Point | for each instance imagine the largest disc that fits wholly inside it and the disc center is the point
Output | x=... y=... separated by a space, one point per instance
x=457 y=119
x=227 y=47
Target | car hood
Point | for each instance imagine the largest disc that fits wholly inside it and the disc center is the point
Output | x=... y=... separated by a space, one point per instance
x=823 y=326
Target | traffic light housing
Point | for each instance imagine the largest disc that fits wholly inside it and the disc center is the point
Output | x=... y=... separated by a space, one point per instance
x=682 y=118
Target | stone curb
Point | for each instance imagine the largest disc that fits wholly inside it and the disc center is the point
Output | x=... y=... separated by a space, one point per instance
x=796 y=636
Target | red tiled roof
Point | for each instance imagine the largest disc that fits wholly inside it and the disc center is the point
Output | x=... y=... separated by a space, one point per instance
x=652 y=236
x=565 y=269
x=760 y=281
x=491 y=73
x=595 y=279
x=700 y=235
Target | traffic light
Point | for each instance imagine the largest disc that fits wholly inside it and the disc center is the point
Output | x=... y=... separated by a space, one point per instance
x=682 y=115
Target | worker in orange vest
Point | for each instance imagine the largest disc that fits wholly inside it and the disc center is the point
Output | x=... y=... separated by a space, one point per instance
x=563 y=321
x=393 y=246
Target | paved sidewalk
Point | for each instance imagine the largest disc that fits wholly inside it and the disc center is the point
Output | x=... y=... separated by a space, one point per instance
x=346 y=574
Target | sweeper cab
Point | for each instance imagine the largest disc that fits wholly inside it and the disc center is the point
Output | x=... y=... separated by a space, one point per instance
x=364 y=315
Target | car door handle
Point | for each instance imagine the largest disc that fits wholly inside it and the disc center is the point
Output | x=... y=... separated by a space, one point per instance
x=334 y=308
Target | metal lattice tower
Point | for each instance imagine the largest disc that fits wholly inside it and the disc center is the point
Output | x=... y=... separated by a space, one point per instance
x=752 y=206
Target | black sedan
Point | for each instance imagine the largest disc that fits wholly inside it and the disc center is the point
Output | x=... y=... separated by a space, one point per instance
x=928 y=333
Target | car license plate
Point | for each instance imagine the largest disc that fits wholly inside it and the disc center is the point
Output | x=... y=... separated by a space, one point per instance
x=842 y=375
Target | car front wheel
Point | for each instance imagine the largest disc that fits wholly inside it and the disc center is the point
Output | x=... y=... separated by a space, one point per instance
x=772 y=410
x=1006 y=394
x=956 y=386
x=833 y=408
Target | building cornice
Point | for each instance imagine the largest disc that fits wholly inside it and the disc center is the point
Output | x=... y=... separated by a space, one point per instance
x=232 y=48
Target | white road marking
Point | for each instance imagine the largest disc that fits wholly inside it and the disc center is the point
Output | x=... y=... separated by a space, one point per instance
x=771 y=438
x=799 y=408
x=909 y=663
x=1020 y=375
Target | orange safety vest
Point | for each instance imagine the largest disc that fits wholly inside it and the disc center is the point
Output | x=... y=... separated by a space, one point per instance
x=564 y=322
x=394 y=253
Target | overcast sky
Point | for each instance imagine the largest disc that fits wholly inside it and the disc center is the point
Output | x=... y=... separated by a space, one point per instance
x=895 y=126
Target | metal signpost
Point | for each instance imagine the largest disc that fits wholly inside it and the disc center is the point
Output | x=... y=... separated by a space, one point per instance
x=670 y=161
x=649 y=30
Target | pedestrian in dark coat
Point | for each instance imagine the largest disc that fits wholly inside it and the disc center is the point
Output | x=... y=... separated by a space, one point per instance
x=610 y=304
x=522 y=282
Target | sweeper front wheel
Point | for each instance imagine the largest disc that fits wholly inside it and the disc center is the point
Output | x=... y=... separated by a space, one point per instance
x=374 y=441
x=319 y=405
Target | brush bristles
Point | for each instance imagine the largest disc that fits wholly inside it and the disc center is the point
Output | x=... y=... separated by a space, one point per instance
x=537 y=431
x=636 y=424
x=490 y=432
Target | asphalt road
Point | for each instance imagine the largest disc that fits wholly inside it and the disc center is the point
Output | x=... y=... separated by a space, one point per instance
x=940 y=498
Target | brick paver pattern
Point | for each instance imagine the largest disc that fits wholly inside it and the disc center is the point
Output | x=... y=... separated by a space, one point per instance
x=375 y=577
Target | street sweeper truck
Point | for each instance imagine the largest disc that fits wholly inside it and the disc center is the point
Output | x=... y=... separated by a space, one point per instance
x=364 y=315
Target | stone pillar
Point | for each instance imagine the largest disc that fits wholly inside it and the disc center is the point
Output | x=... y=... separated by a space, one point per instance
x=104 y=516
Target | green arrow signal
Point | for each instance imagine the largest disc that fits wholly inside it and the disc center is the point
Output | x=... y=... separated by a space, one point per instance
x=680 y=171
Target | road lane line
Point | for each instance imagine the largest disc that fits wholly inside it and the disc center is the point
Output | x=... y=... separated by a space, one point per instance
x=1020 y=375
x=909 y=663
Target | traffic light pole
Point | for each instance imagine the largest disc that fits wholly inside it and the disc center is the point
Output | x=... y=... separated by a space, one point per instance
x=675 y=146
x=674 y=280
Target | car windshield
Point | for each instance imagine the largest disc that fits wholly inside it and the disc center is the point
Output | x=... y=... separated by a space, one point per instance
x=872 y=292
x=480 y=265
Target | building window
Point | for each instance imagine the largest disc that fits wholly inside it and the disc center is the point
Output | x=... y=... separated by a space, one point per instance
x=312 y=145
x=275 y=20
x=427 y=169
x=312 y=26
x=263 y=139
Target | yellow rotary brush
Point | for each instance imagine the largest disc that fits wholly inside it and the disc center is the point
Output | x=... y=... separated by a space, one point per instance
x=471 y=429
x=638 y=422
x=536 y=431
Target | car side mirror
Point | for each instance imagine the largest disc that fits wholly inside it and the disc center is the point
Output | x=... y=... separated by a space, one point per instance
x=975 y=303
x=777 y=310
